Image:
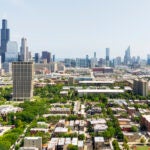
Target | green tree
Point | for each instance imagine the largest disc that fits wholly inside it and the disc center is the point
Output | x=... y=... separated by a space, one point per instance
x=90 y=128
x=19 y=123
x=136 y=119
x=81 y=137
x=115 y=145
x=125 y=146
x=11 y=118
x=110 y=132
x=143 y=140
x=134 y=129
x=72 y=147
x=45 y=136
x=125 y=139
x=17 y=147
x=4 y=145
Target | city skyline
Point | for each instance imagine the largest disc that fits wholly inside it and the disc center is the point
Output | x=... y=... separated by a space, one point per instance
x=74 y=28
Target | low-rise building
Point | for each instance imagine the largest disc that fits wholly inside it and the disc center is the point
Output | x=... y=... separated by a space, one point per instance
x=33 y=142
x=52 y=144
x=131 y=110
x=61 y=143
x=98 y=121
x=145 y=121
x=98 y=142
x=126 y=127
x=100 y=127
x=131 y=136
x=124 y=121
x=35 y=130
x=88 y=145
x=75 y=141
x=68 y=141
x=59 y=130
x=61 y=123
x=80 y=145
x=64 y=93
x=28 y=148
x=5 y=109
x=99 y=91
x=59 y=110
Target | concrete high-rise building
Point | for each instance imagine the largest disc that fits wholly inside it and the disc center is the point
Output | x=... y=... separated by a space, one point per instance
x=12 y=52
x=54 y=58
x=136 y=86
x=101 y=62
x=138 y=59
x=22 y=74
x=140 y=87
x=81 y=63
x=87 y=60
x=5 y=36
x=148 y=59
x=36 y=58
x=70 y=62
x=11 y=55
x=29 y=56
x=118 y=61
x=127 y=57
x=46 y=55
x=7 y=67
x=94 y=54
x=60 y=67
x=0 y=63
x=107 y=56
x=25 y=55
x=93 y=61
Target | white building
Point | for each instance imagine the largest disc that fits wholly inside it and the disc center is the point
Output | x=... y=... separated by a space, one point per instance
x=98 y=142
x=33 y=142
x=24 y=50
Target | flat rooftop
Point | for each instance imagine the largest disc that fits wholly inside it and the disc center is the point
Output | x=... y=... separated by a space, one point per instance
x=61 y=129
x=99 y=139
x=33 y=138
x=97 y=82
x=147 y=117
x=100 y=91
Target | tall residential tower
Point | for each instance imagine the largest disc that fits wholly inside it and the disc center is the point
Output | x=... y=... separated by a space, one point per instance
x=22 y=74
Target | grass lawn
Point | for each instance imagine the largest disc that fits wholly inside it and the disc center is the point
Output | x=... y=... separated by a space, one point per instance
x=142 y=148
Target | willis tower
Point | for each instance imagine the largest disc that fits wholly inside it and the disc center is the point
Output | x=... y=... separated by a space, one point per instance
x=5 y=35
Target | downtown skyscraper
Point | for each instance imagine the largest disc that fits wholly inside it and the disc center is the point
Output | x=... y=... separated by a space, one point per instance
x=107 y=57
x=24 y=51
x=46 y=56
x=12 y=52
x=5 y=36
x=127 y=57
x=107 y=54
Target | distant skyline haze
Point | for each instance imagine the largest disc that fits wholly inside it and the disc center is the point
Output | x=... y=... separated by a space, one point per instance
x=74 y=28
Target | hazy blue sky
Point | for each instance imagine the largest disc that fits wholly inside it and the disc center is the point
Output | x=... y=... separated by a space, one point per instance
x=74 y=28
